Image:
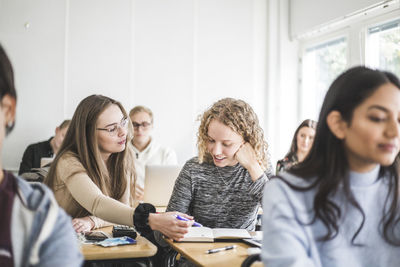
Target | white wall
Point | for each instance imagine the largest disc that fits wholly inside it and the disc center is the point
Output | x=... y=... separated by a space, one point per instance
x=282 y=77
x=175 y=56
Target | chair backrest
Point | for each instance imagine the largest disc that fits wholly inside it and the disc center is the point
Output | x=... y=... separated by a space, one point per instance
x=250 y=260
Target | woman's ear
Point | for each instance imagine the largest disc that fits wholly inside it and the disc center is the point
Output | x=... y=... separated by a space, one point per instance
x=336 y=124
x=8 y=105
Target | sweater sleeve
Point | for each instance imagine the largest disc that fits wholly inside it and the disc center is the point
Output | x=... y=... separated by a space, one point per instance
x=98 y=223
x=90 y=197
x=182 y=194
x=285 y=242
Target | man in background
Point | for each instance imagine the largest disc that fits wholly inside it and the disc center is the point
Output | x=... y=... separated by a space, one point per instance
x=47 y=149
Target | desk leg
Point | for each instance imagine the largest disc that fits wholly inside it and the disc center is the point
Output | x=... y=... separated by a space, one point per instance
x=134 y=262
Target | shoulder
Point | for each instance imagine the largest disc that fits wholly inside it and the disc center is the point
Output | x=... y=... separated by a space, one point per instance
x=283 y=189
x=68 y=165
x=194 y=164
x=42 y=144
x=34 y=195
x=69 y=161
x=284 y=160
x=155 y=146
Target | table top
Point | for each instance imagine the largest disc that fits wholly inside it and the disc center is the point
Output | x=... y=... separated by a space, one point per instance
x=196 y=252
x=143 y=248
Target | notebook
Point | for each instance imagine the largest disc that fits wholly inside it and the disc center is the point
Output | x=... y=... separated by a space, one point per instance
x=159 y=182
x=255 y=240
x=205 y=234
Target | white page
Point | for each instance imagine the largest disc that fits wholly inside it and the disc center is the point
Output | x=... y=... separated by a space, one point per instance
x=230 y=233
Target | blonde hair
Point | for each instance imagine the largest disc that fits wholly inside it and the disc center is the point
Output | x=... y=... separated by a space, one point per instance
x=138 y=109
x=81 y=141
x=240 y=117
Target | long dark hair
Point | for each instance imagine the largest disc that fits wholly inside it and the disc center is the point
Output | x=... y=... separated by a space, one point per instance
x=327 y=162
x=293 y=147
x=81 y=141
x=7 y=86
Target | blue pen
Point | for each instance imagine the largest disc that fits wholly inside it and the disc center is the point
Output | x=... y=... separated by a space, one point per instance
x=185 y=219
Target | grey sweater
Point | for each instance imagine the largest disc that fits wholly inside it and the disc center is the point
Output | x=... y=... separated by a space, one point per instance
x=218 y=197
x=288 y=241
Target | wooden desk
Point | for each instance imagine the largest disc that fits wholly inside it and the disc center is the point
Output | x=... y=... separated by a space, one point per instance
x=195 y=252
x=142 y=249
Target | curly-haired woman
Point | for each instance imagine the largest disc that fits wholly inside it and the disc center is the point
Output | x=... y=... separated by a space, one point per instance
x=223 y=186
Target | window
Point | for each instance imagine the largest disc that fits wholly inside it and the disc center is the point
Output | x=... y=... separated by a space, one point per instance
x=383 y=46
x=321 y=64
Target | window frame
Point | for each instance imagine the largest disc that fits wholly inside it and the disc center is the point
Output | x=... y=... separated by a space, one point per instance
x=355 y=32
x=313 y=42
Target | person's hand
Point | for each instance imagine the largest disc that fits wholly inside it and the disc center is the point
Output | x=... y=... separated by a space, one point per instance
x=83 y=224
x=139 y=192
x=247 y=157
x=169 y=225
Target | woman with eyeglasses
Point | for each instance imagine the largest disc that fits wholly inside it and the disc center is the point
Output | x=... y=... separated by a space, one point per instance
x=93 y=170
x=147 y=151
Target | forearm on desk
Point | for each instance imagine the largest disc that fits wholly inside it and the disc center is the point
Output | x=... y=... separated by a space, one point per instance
x=89 y=196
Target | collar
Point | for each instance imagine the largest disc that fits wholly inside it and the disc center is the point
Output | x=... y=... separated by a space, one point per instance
x=364 y=179
x=147 y=148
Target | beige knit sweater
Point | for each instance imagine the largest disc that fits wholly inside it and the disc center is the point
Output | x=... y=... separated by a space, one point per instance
x=79 y=196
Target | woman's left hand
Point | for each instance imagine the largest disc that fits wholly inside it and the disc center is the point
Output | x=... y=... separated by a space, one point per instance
x=248 y=159
x=84 y=224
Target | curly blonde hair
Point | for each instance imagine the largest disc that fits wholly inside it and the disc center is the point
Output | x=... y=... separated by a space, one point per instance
x=241 y=118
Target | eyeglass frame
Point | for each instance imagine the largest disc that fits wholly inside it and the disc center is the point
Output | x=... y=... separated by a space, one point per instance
x=144 y=125
x=123 y=124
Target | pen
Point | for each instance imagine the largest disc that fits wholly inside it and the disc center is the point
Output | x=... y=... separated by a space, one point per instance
x=185 y=219
x=215 y=250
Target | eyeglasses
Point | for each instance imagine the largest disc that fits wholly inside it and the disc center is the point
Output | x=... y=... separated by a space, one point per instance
x=144 y=125
x=113 y=129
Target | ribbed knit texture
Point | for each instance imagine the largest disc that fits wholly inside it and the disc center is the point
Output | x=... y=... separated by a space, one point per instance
x=218 y=197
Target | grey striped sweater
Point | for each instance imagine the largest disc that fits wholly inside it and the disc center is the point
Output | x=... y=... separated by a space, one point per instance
x=218 y=197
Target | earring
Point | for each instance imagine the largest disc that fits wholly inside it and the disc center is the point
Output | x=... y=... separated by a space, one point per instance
x=9 y=126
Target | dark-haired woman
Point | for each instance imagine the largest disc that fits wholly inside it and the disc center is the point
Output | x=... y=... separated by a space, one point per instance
x=34 y=231
x=301 y=144
x=340 y=206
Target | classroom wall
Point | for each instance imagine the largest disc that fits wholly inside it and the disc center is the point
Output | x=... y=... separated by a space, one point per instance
x=176 y=56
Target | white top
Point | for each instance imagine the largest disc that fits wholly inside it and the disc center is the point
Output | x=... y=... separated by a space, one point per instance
x=289 y=241
x=153 y=154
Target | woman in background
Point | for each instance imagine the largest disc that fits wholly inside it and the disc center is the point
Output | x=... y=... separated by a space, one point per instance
x=92 y=172
x=147 y=151
x=340 y=206
x=301 y=144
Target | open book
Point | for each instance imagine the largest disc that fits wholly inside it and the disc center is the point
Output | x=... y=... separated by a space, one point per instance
x=205 y=234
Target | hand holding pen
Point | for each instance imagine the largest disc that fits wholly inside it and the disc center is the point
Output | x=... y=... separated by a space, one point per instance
x=186 y=219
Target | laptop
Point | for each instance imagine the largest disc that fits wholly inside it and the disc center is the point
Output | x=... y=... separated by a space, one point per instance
x=45 y=161
x=159 y=182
